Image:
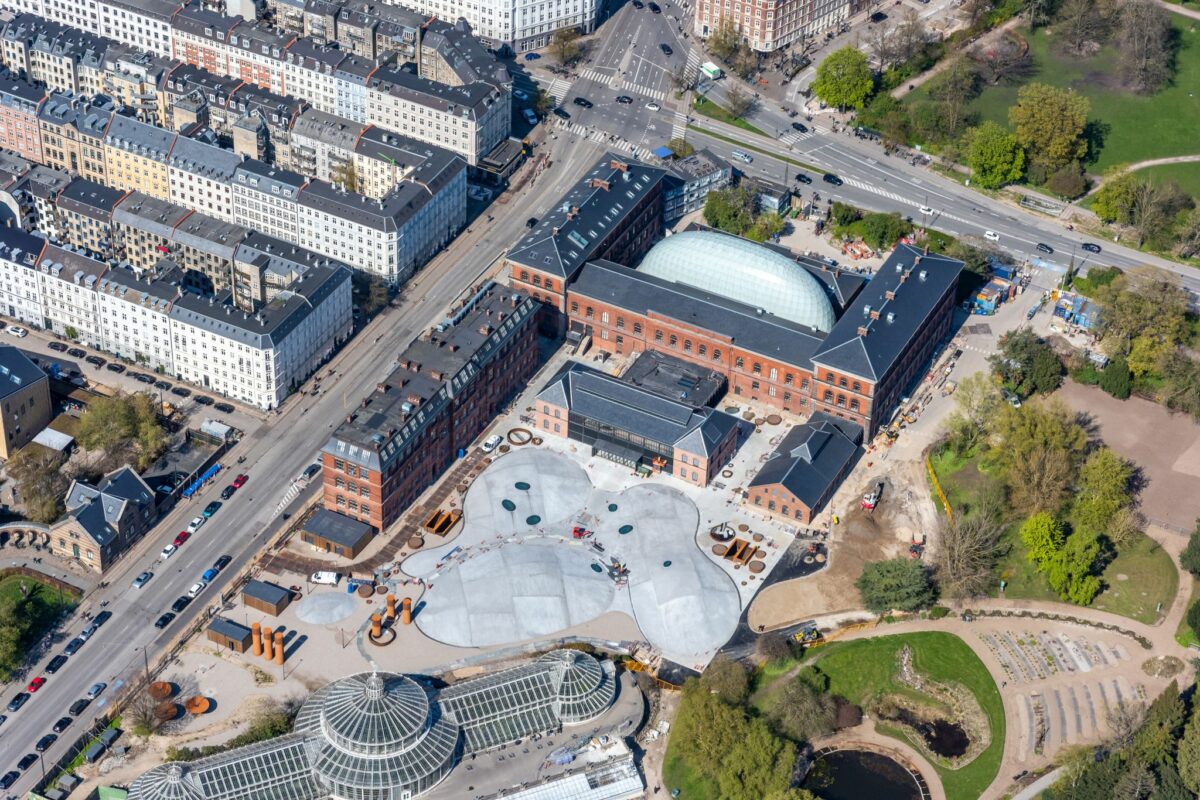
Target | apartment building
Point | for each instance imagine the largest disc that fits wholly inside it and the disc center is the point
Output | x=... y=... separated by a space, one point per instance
x=20 y=101
x=145 y=24
x=72 y=130
x=56 y=54
x=322 y=145
x=450 y=384
x=770 y=25
x=83 y=15
x=131 y=77
x=144 y=228
x=104 y=520
x=135 y=157
x=24 y=400
x=267 y=199
x=152 y=317
x=83 y=216
x=200 y=177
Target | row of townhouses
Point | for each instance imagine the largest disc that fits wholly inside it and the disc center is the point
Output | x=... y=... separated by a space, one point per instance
x=379 y=202
x=151 y=317
x=193 y=64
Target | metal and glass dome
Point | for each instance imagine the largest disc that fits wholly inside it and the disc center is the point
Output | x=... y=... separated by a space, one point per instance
x=378 y=737
x=743 y=271
x=585 y=688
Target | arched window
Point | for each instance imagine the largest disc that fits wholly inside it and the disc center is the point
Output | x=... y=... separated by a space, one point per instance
x=858 y=387
x=674 y=340
x=687 y=345
x=637 y=328
x=854 y=405
x=702 y=350
x=716 y=355
x=574 y=307
x=739 y=363
x=524 y=275
x=756 y=368
x=828 y=396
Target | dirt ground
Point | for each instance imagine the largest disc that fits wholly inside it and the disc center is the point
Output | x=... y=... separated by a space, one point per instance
x=1165 y=446
x=905 y=513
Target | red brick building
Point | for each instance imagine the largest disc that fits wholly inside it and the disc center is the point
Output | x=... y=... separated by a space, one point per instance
x=449 y=386
x=19 y=104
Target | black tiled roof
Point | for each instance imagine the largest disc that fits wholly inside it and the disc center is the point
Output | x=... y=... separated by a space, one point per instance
x=812 y=457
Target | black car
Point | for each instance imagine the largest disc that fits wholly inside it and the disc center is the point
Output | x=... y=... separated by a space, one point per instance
x=162 y=385
x=624 y=99
x=666 y=48
x=57 y=347
x=562 y=112
x=224 y=408
x=1045 y=248
x=115 y=367
x=878 y=16
x=9 y=778
x=802 y=178
x=180 y=603
x=62 y=724
x=800 y=126
x=96 y=361
x=638 y=4
x=654 y=8
x=78 y=706
x=222 y=562
x=44 y=743
x=73 y=646
x=181 y=391
x=228 y=491
x=1091 y=248
x=583 y=102
x=211 y=508
x=56 y=664
x=832 y=179
x=75 y=352
x=142 y=377
x=27 y=761
x=101 y=618
x=531 y=223
x=18 y=700
x=203 y=399
x=165 y=619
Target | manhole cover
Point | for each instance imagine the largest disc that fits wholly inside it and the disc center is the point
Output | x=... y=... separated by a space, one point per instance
x=612 y=506
x=533 y=519
x=509 y=505
x=666 y=563
x=522 y=485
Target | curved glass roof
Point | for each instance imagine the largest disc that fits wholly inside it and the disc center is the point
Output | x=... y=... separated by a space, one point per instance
x=585 y=689
x=372 y=713
x=743 y=271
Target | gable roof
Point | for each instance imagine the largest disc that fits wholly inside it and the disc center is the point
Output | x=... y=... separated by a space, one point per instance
x=17 y=371
x=812 y=458
x=99 y=509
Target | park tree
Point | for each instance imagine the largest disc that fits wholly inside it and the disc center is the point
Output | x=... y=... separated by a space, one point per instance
x=1145 y=302
x=1180 y=390
x=732 y=209
x=1189 y=559
x=1115 y=378
x=744 y=60
x=1043 y=537
x=1080 y=27
x=727 y=679
x=1170 y=785
x=1113 y=201
x=844 y=79
x=124 y=428
x=976 y=12
x=543 y=102
x=802 y=713
x=41 y=483
x=1136 y=782
x=1069 y=180
x=881 y=43
x=724 y=38
x=1154 y=742
x=1049 y=123
x=738 y=102
x=565 y=46
x=1143 y=43
x=953 y=90
x=773 y=647
x=766 y=226
x=1027 y=364
x=1187 y=756
x=1036 y=450
x=976 y=402
x=681 y=148
x=1038 y=12
x=993 y=155
x=900 y=584
x=1102 y=491
x=1005 y=59
x=882 y=231
x=1154 y=209
x=1071 y=571
x=966 y=555
x=1187 y=236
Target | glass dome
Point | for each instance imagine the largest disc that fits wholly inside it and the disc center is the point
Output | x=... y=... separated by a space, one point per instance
x=585 y=689
x=743 y=271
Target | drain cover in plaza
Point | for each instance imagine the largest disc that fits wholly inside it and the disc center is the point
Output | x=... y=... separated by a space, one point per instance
x=509 y=505
x=326 y=608
x=625 y=529
x=522 y=485
x=612 y=506
x=533 y=520
x=597 y=568
x=666 y=563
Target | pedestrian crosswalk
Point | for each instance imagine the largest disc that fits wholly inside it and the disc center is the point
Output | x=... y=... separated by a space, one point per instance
x=679 y=128
x=792 y=138
x=599 y=75
x=558 y=88
x=876 y=190
x=615 y=142
x=643 y=93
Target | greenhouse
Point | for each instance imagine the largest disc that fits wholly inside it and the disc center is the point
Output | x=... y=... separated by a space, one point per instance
x=382 y=736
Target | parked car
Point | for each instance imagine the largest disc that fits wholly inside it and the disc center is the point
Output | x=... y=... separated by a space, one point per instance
x=532 y=56
x=1091 y=248
x=96 y=361
x=180 y=603
x=142 y=377
x=96 y=690
x=638 y=4
x=163 y=385
x=203 y=399
x=654 y=8
x=168 y=551
x=9 y=778
x=17 y=331
x=46 y=742
x=181 y=538
x=520 y=95
x=57 y=347
x=115 y=367
x=831 y=179
x=991 y=236
x=211 y=509
x=210 y=574
x=75 y=352
x=62 y=724
x=1012 y=399
x=325 y=578
x=491 y=443
x=531 y=223
x=56 y=664
x=142 y=579
x=228 y=491
x=877 y=17
x=73 y=646
x=197 y=588
x=529 y=116
x=88 y=631
x=196 y=524
x=18 y=700
x=164 y=620
x=666 y=48
x=79 y=705
x=27 y=761
x=800 y=127
x=224 y=408
x=240 y=480
x=101 y=618
x=1044 y=248
x=35 y=684
x=181 y=391
x=222 y=562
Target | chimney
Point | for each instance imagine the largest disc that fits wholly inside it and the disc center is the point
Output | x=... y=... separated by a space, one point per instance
x=600 y=183
x=862 y=330
x=889 y=295
x=874 y=315
x=619 y=166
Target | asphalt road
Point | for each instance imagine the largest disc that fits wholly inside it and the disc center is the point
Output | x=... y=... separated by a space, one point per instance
x=275 y=454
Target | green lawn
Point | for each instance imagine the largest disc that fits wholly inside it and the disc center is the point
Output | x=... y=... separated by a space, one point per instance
x=1186 y=175
x=1184 y=634
x=1136 y=127
x=10 y=592
x=865 y=668
x=710 y=109
x=1150 y=579
x=678 y=775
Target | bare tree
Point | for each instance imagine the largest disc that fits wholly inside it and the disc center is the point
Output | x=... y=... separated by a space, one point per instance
x=966 y=555
x=566 y=47
x=738 y=101
x=1144 y=45
x=684 y=78
x=1124 y=719
x=139 y=714
x=911 y=35
x=1039 y=11
x=1080 y=26
x=879 y=40
x=1005 y=60
x=1125 y=526
x=976 y=11
x=954 y=89
x=772 y=647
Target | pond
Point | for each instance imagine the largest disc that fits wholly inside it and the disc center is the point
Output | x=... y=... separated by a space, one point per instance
x=947 y=739
x=855 y=774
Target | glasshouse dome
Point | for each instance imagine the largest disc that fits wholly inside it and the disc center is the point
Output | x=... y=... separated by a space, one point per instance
x=743 y=271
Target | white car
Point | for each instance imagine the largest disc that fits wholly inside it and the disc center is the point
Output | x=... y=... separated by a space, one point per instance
x=143 y=579
x=738 y=154
x=325 y=578
x=196 y=524
x=520 y=95
x=16 y=330
x=197 y=588
x=991 y=236
x=926 y=210
x=96 y=690
x=168 y=551
x=491 y=443
x=653 y=106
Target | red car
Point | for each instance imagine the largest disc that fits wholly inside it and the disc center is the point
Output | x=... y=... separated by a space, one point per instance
x=181 y=538
x=35 y=684
x=240 y=481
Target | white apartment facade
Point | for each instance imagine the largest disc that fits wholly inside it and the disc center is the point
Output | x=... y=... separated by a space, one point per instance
x=521 y=24
x=267 y=199
x=145 y=24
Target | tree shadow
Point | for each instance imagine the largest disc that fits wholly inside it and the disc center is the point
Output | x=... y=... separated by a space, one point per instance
x=1095 y=132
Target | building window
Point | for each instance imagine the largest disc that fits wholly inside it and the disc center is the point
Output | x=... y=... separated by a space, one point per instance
x=702 y=350
x=524 y=275
x=588 y=312
x=804 y=385
x=854 y=405
x=828 y=396
x=756 y=368
x=858 y=387
x=716 y=355
x=658 y=336
x=620 y=323
x=787 y=379
x=637 y=329
x=739 y=363
x=687 y=345
x=842 y=400
x=842 y=383
x=829 y=377
x=574 y=307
